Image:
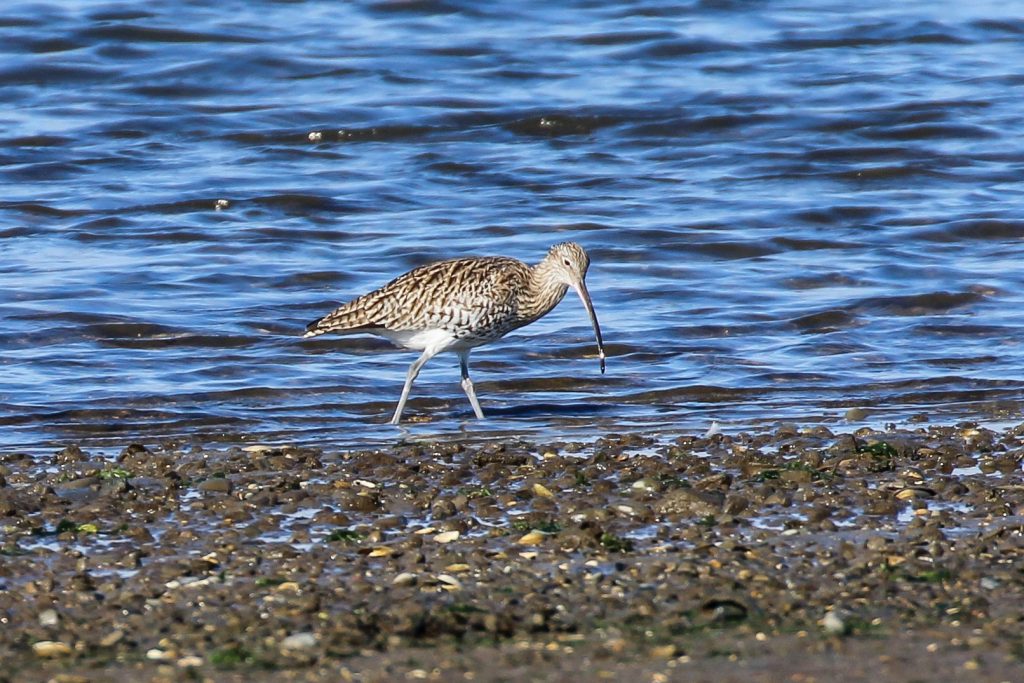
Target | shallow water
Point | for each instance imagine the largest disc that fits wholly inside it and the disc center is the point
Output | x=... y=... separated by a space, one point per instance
x=792 y=209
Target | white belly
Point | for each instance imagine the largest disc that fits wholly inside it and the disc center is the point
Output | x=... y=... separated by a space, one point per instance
x=436 y=340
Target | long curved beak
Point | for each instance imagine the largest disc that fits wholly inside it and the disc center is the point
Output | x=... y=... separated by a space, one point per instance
x=581 y=289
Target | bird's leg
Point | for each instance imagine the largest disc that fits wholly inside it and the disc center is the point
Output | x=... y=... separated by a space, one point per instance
x=467 y=384
x=414 y=371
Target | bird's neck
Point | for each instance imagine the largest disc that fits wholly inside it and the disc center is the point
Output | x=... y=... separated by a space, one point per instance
x=543 y=292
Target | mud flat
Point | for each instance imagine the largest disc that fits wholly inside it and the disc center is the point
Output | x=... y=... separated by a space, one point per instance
x=797 y=554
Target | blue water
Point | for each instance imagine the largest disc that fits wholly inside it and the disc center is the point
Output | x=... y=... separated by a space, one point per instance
x=792 y=209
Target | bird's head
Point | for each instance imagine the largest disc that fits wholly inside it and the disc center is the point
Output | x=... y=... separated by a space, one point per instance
x=568 y=264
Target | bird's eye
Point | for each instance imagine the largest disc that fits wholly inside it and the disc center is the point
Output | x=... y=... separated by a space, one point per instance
x=567 y=262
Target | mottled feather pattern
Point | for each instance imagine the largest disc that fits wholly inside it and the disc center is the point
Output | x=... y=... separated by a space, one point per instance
x=473 y=298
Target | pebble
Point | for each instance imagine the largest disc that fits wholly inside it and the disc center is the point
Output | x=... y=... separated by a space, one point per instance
x=112 y=638
x=405 y=579
x=833 y=624
x=51 y=648
x=299 y=641
x=531 y=538
x=664 y=651
x=449 y=581
x=446 y=536
x=69 y=678
x=190 y=662
x=215 y=485
x=542 y=491
x=856 y=414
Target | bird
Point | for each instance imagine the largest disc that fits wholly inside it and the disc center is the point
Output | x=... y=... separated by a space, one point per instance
x=462 y=303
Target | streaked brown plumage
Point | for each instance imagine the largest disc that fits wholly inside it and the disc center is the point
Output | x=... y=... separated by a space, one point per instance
x=460 y=304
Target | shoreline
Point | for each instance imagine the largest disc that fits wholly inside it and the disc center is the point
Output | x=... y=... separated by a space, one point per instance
x=781 y=554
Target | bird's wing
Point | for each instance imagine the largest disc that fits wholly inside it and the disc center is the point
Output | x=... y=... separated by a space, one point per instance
x=466 y=293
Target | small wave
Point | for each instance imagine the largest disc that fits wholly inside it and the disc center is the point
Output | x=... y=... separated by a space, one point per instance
x=556 y=125
x=993 y=229
x=134 y=33
x=623 y=37
x=680 y=47
x=825 y=321
x=929 y=303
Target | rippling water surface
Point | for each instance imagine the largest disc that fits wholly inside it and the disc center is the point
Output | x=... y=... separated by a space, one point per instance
x=792 y=208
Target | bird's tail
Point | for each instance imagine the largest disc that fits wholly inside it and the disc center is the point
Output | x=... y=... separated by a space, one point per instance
x=312 y=329
x=348 y=318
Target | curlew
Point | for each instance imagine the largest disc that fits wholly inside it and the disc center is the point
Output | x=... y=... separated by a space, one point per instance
x=462 y=303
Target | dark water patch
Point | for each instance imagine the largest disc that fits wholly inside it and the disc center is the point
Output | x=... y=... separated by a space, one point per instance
x=106 y=223
x=922 y=111
x=111 y=330
x=312 y=280
x=162 y=235
x=135 y=33
x=108 y=419
x=185 y=340
x=1013 y=28
x=937 y=392
x=974 y=229
x=37 y=75
x=734 y=249
x=382 y=133
x=924 y=131
x=37 y=141
x=262 y=138
x=295 y=203
x=50 y=45
x=956 y=363
x=930 y=303
x=838 y=215
x=359 y=345
x=675 y=48
x=827 y=279
x=20 y=231
x=505 y=73
x=555 y=125
x=463 y=106
x=623 y=37
x=117 y=13
x=36 y=209
x=464 y=51
x=73 y=319
x=879 y=34
x=824 y=321
x=575 y=409
x=696 y=393
x=424 y=7
x=964 y=330
x=174 y=91
x=859 y=153
x=20 y=22
x=220 y=208
x=787 y=244
x=457 y=169
x=528 y=385
x=47 y=171
x=913 y=170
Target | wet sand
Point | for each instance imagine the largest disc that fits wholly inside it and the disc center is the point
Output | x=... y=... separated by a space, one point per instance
x=792 y=555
